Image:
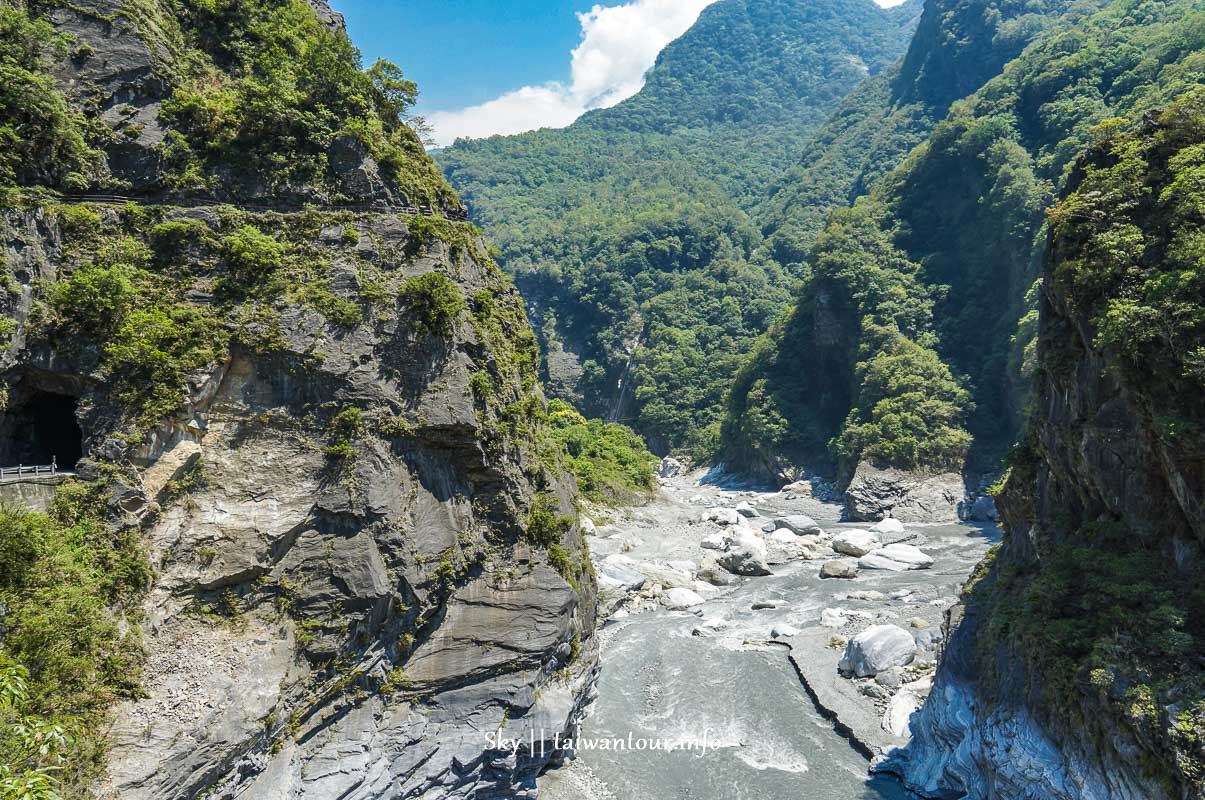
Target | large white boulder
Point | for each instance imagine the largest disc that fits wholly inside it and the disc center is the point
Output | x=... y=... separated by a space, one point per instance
x=671 y=468
x=746 y=555
x=680 y=598
x=618 y=572
x=888 y=525
x=664 y=574
x=713 y=541
x=783 y=536
x=875 y=649
x=896 y=558
x=856 y=543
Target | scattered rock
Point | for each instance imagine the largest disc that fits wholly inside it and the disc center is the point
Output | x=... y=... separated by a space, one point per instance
x=587 y=526
x=856 y=543
x=713 y=541
x=839 y=568
x=783 y=536
x=896 y=558
x=873 y=690
x=671 y=468
x=783 y=632
x=745 y=510
x=875 y=649
x=890 y=678
x=833 y=618
x=919 y=623
x=746 y=555
x=888 y=525
x=724 y=516
x=799 y=524
x=620 y=575
x=866 y=596
x=682 y=566
x=763 y=605
x=714 y=576
x=667 y=576
x=929 y=638
x=709 y=627
x=680 y=598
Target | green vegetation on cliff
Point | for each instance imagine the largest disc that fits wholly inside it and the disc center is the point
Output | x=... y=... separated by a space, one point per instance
x=1108 y=616
x=628 y=232
x=69 y=576
x=41 y=136
x=959 y=227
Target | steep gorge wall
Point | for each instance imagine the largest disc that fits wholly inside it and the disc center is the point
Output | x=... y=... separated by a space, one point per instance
x=1074 y=670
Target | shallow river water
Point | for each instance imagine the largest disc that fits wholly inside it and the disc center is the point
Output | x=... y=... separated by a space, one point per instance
x=732 y=693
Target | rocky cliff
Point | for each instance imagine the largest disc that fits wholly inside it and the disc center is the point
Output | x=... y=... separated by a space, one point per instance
x=1075 y=668
x=320 y=431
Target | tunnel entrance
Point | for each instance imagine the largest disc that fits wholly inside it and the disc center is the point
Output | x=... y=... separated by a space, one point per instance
x=41 y=429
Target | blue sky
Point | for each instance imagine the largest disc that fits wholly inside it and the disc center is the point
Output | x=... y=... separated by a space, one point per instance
x=485 y=67
x=464 y=52
x=508 y=66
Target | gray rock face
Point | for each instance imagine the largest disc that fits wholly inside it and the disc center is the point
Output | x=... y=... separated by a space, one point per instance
x=383 y=612
x=875 y=649
x=877 y=493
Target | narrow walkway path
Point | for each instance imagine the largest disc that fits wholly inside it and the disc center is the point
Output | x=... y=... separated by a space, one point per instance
x=203 y=202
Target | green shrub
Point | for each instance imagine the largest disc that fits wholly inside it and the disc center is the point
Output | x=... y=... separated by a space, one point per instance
x=481 y=385
x=40 y=134
x=434 y=300
x=345 y=427
x=338 y=310
x=545 y=525
x=68 y=577
x=252 y=254
x=609 y=460
x=95 y=297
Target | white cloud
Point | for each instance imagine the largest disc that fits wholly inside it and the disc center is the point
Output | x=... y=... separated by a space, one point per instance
x=619 y=44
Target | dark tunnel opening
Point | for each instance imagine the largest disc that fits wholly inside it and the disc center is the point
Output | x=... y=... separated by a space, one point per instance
x=42 y=430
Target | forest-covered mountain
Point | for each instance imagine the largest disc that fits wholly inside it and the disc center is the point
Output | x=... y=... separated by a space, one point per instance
x=628 y=232
x=911 y=343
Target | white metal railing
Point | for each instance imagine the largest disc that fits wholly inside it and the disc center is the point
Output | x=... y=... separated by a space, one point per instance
x=24 y=469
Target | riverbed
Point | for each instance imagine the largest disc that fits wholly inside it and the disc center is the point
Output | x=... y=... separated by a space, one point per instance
x=712 y=689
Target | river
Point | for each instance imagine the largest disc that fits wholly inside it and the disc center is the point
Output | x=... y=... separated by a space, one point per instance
x=731 y=693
